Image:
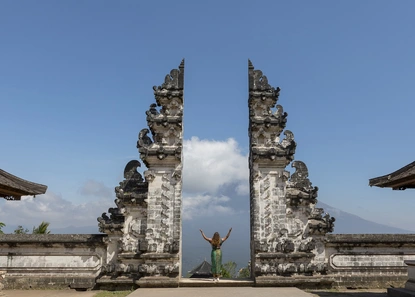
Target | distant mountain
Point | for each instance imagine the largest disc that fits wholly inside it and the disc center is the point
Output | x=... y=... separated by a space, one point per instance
x=347 y=223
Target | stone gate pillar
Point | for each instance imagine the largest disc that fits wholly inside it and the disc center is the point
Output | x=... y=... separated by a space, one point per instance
x=163 y=157
x=144 y=230
x=287 y=231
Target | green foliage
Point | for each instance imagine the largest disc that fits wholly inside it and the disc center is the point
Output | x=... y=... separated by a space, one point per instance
x=244 y=273
x=1 y=226
x=228 y=270
x=42 y=228
x=21 y=230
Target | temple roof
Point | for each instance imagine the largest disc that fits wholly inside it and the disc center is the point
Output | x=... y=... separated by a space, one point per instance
x=13 y=187
x=202 y=270
x=401 y=179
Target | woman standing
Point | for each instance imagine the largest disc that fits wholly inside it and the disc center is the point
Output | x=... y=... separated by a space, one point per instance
x=216 y=254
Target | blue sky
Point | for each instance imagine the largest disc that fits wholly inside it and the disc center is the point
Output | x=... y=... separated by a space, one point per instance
x=76 y=79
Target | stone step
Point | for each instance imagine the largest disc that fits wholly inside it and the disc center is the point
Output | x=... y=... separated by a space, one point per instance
x=208 y=282
x=220 y=291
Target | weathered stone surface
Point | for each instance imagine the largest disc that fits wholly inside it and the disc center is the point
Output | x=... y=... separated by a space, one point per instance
x=52 y=260
x=369 y=260
x=158 y=282
x=287 y=231
x=144 y=230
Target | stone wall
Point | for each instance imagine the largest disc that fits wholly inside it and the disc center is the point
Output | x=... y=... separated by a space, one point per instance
x=51 y=261
x=369 y=260
x=81 y=262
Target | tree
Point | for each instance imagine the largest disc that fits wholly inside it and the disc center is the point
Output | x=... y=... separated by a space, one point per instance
x=228 y=270
x=245 y=272
x=42 y=228
x=1 y=226
x=21 y=230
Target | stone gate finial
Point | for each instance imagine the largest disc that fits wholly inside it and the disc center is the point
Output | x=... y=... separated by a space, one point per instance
x=173 y=81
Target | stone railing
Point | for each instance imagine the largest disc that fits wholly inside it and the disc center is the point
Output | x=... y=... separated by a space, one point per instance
x=369 y=260
x=79 y=261
x=51 y=261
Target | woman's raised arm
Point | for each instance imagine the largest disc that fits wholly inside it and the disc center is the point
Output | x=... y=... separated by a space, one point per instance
x=227 y=235
x=204 y=236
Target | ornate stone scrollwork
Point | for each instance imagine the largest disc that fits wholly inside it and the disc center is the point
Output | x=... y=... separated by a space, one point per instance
x=131 y=191
x=319 y=224
x=173 y=81
x=152 y=113
x=259 y=82
x=299 y=190
x=307 y=245
x=285 y=246
x=149 y=175
x=288 y=142
x=149 y=269
x=144 y=141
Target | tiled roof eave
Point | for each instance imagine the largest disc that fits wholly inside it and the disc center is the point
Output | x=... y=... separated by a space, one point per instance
x=401 y=178
x=10 y=183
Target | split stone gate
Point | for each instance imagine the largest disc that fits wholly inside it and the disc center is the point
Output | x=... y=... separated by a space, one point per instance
x=142 y=244
x=144 y=229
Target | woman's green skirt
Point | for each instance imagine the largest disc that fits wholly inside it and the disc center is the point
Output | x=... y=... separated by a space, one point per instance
x=216 y=257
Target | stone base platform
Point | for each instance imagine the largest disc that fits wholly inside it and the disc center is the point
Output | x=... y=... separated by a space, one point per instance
x=298 y=281
x=158 y=282
x=220 y=291
x=208 y=282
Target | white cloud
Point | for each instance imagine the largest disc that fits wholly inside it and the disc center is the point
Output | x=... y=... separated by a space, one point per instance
x=242 y=189
x=96 y=189
x=209 y=167
x=210 y=164
x=52 y=208
x=205 y=205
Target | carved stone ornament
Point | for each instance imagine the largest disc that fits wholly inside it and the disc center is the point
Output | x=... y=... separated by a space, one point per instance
x=258 y=81
x=174 y=80
x=149 y=175
x=299 y=189
x=144 y=141
x=152 y=112
x=273 y=149
x=319 y=224
x=131 y=191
